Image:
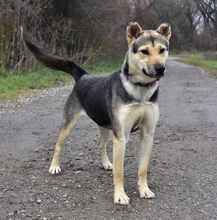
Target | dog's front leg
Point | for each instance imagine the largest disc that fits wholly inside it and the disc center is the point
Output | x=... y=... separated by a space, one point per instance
x=146 y=143
x=119 y=144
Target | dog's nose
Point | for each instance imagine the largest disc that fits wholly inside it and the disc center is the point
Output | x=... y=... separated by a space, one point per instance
x=159 y=68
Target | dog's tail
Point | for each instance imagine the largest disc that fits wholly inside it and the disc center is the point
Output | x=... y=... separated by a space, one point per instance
x=56 y=62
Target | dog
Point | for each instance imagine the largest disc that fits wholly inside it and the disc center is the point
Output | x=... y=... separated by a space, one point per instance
x=120 y=103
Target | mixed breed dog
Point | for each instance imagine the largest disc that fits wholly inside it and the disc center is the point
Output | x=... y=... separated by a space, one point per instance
x=121 y=103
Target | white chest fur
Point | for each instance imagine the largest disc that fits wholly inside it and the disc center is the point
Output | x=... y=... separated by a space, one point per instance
x=138 y=115
x=142 y=94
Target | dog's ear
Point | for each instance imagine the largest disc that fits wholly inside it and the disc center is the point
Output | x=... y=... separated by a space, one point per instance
x=133 y=31
x=165 y=30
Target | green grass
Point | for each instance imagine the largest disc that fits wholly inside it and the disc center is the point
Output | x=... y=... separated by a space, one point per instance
x=14 y=86
x=103 y=68
x=198 y=59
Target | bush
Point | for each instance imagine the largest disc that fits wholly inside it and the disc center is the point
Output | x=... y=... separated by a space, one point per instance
x=210 y=55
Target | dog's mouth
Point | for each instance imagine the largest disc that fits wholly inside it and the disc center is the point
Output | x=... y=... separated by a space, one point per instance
x=144 y=71
x=149 y=75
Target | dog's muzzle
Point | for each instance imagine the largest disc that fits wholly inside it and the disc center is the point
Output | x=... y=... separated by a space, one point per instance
x=157 y=72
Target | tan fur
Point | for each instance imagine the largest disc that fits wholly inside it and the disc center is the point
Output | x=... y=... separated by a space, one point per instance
x=164 y=29
x=104 y=137
x=135 y=28
x=146 y=115
x=63 y=134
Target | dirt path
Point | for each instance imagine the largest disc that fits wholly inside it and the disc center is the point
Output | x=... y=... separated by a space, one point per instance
x=182 y=172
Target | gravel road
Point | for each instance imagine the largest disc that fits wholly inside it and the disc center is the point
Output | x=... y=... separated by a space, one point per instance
x=182 y=171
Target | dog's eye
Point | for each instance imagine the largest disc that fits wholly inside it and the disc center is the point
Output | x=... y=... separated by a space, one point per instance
x=162 y=50
x=145 y=52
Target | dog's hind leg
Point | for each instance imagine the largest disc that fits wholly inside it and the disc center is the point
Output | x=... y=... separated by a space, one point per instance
x=104 y=137
x=65 y=130
x=72 y=113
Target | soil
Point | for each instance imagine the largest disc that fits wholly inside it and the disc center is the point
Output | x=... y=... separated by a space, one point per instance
x=182 y=170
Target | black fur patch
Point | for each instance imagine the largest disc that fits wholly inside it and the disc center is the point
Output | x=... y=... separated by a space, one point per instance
x=135 y=48
x=126 y=67
x=92 y=93
x=95 y=95
x=154 y=97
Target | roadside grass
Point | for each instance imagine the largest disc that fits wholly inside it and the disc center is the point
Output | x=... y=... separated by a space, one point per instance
x=13 y=86
x=103 y=68
x=207 y=61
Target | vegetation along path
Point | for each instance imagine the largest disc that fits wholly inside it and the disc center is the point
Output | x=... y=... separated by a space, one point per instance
x=182 y=171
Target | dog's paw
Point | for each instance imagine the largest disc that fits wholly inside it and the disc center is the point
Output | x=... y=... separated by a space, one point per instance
x=146 y=193
x=108 y=166
x=54 y=169
x=121 y=198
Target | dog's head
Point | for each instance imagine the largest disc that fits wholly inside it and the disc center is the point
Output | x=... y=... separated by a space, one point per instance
x=148 y=50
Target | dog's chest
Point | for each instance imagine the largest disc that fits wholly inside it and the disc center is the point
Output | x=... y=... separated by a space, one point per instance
x=137 y=115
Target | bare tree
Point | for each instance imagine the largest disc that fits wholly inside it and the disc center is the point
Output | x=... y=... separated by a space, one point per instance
x=208 y=30
x=79 y=29
x=208 y=9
